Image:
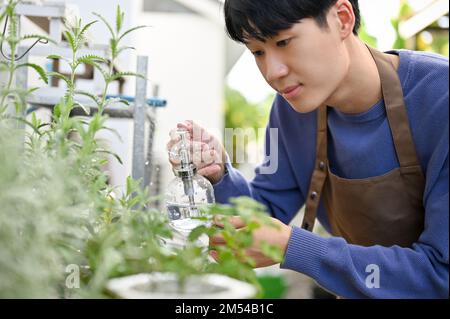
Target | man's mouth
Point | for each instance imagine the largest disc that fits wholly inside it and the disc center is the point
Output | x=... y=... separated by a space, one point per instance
x=291 y=92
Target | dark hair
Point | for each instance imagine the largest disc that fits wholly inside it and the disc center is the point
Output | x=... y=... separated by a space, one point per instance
x=263 y=19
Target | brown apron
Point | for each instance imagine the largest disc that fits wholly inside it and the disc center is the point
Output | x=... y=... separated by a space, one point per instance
x=385 y=210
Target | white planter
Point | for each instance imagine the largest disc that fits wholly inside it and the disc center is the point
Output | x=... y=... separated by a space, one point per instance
x=165 y=286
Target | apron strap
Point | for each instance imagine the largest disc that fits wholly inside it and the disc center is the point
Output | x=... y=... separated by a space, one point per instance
x=320 y=171
x=400 y=129
x=396 y=111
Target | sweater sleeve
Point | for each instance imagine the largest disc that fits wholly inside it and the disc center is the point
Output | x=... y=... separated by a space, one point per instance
x=274 y=185
x=417 y=272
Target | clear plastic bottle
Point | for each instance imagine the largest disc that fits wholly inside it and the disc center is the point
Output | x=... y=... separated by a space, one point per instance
x=186 y=194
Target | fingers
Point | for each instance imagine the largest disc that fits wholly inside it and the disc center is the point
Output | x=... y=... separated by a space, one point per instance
x=195 y=150
x=207 y=153
x=236 y=221
x=207 y=161
x=196 y=132
x=210 y=170
x=216 y=240
x=206 y=157
x=214 y=254
x=201 y=155
x=186 y=125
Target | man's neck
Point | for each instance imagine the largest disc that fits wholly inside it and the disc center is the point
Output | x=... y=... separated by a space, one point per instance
x=361 y=88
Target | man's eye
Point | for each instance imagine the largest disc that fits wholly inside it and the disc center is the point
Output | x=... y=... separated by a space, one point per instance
x=257 y=53
x=283 y=43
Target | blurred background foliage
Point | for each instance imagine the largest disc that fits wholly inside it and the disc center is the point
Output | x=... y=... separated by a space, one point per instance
x=433 y=38
x=240 y=113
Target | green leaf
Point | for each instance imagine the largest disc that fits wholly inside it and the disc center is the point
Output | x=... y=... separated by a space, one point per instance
x=119 y=19
x=253 y=225
x=37 y=36
x=27 y=123
x=106 y=23
x=245 y=239
x=93 y=97
x=58 y=57
x=54 y=56
x=31 y=90
x=90 y=59
x=19 y=93
x=37 y=68
x=132 y=30
x=119 y=75
x=104 y=72
x=62 y=77
x=197 y=232
x=113 y=44
x=129 y=185
x=85 y=28
x=70 y=38
x=35 y=121
x=96 y=122
x=245 y=202
x=86 y=109
x=114 y=131
x=116 y=100
x=18 y=105
x=58 y=109
x=117 y=157
x=121 y=49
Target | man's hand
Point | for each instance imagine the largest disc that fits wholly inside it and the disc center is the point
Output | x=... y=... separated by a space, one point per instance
x=277 y=234
x=207 y=153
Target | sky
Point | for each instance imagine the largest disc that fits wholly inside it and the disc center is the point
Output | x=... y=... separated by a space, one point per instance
x=377 y=15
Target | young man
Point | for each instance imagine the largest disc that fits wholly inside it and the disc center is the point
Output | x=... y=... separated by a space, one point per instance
x=363 y=143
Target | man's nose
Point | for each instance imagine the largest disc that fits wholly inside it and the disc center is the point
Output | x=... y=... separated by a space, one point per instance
x=275 y=69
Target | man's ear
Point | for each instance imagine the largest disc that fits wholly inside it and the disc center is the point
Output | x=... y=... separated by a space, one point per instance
x=346 y=18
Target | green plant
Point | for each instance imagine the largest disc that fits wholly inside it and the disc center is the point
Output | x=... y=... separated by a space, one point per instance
x=58 y=209
x=10 y=95
x=72 y=193
x=44 y=218
x=233 y=259
x=117 y=35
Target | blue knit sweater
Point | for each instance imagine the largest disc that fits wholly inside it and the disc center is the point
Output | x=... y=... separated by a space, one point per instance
x=361 y=146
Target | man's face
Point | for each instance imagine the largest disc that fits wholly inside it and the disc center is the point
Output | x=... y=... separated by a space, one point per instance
x=305 y=64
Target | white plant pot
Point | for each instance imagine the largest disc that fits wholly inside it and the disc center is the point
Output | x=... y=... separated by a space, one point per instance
x=165 y=286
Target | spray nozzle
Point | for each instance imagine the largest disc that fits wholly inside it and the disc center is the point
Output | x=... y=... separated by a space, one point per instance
x=184 y=149
x=181 y=153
